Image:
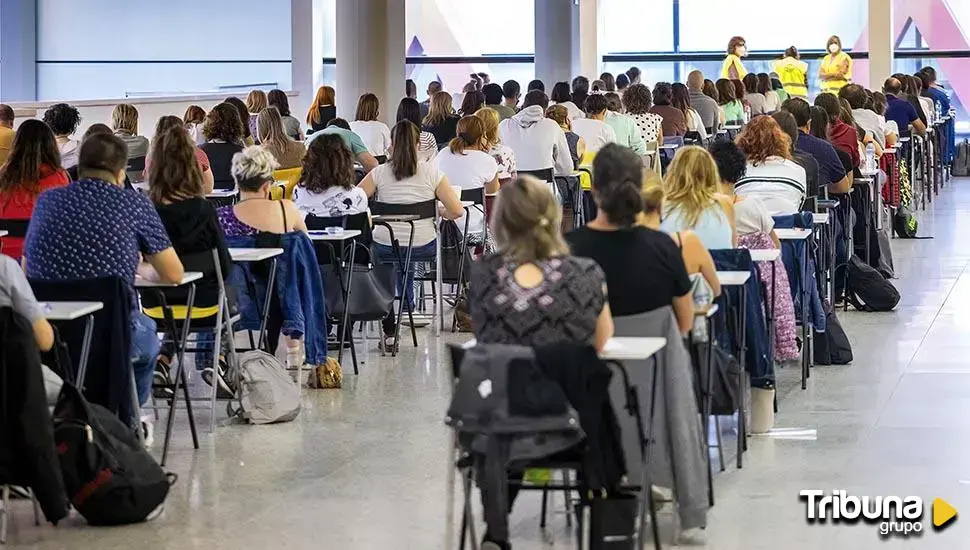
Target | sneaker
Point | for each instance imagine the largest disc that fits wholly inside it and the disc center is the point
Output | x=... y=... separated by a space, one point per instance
x=223 y=389
x=148 y=430
x=162 y=379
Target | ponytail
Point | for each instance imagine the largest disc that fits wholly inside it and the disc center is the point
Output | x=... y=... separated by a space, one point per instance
x=471 y=132
x=404 y=150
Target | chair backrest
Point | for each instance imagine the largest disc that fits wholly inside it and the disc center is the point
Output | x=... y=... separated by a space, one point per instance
x=426 y=209
x=541 y=175
x=476 y=196
x=15 y=228
x=291 y=176
x=206 y=263
x=136 y=164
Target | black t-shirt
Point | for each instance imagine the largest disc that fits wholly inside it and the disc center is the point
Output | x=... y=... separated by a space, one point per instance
x=220 y=162
x=193 y=226
x=644 y=268
x=444 y=131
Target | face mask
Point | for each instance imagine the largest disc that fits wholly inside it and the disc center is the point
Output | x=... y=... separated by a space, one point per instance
x=834 y=48
x=742 y=51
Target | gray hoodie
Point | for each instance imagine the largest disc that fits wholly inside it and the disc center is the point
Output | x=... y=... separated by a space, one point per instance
x=538 y=142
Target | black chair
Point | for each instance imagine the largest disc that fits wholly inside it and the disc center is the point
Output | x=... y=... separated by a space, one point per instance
x=14 y=228
x=409 y=214
x=542 y=175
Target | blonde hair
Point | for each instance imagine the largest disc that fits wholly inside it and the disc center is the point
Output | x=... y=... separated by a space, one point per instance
x=490 y=121
x=652 y=192
x=252 y=167
x=269 y=129
x=526 y=221
x=440 y=109
x=692 y=183
x=125 y=118
x=256 y=101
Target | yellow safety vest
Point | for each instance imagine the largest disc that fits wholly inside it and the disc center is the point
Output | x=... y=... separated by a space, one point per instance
x=830 y=64
x=733 y=61
x=793 y=76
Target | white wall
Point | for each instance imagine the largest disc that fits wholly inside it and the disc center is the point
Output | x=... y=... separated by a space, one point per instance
x=168 y=30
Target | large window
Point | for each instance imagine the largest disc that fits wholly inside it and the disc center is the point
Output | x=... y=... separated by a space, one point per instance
x=92 y=49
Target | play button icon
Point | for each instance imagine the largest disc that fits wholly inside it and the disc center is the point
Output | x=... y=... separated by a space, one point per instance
x=943 y=513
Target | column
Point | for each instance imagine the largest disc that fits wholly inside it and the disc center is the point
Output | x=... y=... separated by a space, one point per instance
x=308 y=18
x=554 y=41
x=881 y=42
x=18 y=50
x=371 y=50
x=588 y=39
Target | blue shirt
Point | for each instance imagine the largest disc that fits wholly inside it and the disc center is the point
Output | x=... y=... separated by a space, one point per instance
x=902 y=112
x=90 y=229
x=939 y=96
x=830 y=168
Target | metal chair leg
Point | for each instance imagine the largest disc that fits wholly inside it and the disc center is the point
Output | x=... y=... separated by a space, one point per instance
x=4 y=513
x=36 y=506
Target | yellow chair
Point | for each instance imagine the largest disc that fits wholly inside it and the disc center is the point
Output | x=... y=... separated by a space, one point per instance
x=291 y=176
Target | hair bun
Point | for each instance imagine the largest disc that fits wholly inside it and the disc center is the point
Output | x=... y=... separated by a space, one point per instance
x=466 y=137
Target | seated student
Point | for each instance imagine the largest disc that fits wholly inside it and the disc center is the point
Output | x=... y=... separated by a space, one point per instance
x=819 y=129
x=404 y=180
x=674 y=121
x=341 y=127
x=899 y=110
x=841 y=135
x=693 y=200
x=593 y=128
x=643 y=267
x=756 y=100
x=503 y=154
x=15 y=293
x=561 y=95
x=831 y=173
x=471 y=103
x=94 y=130
x=291 y=126
x=32 y=167
x=223 y=131
x=110 y=229
x=64 y=120
x=772 y=175
x=6 y=131
x=273 y=138
x=878 y=106
x=622 y=83
x=322 y=110
x=410 y=109
x=532 y=291
x=867 y=119
x=248 y=131
x=467 y=164
x=536 y=85
x=750 y=213
x=627 y=133
x=124 y=122
x=163 y=125
x=788 y=125
x=539 y=144
x=194 y=119
x=577 y=145
x=178 y=191
x=732 y=108
x=255 y=104
x=328 y=184
x=681 y=100
x=374 y=133
x=638 y=102
x=441 y=122
x=511 y=93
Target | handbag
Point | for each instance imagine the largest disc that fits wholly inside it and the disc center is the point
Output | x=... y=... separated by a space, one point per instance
x=612 y=522
x=371 y=294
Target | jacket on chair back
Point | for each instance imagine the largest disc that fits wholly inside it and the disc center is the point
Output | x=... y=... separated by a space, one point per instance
x=27 y=454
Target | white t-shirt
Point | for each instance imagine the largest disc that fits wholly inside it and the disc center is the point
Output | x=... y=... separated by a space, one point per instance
x=779 y=182
x=471 y=170
x=332 y=203
x=751 y=216
x=695 y=124
x=596 y=133
x=375 y=135
x=575 y=113
x=420 y=187
x=869 y=121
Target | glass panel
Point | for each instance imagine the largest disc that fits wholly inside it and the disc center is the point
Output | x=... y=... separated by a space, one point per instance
x=455 y=76
x=636 y=26
x=461 y=28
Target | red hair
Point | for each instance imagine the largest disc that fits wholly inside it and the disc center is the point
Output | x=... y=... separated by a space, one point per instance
x=763 y=138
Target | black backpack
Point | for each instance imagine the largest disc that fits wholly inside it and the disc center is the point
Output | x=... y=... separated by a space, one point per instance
x=868 y=290
x=832 y=347
x=451 y=253
x=110 y=478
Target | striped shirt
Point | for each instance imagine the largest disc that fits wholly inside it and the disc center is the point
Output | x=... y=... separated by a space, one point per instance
x=778 y=182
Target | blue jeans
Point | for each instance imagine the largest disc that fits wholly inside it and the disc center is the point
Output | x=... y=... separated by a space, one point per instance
x=424 y=253
x=144 y=350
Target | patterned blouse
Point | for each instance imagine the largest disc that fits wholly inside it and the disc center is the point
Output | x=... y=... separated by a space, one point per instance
x=649 y=125
x=563 y=307
x=505 y=158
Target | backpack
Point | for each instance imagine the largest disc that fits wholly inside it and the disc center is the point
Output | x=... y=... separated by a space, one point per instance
x=832 y=347
x=867 y=289
x=905 y=224
x=109 y=476
x=451 y=245
x=267 y=393
x=961 y=164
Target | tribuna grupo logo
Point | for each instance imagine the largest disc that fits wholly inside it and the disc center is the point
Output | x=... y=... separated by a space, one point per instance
x=895 y=516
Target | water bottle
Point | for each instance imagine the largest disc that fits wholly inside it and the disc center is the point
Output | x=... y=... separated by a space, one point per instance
x=939 y=110
x=871 y=157
x=747 y=115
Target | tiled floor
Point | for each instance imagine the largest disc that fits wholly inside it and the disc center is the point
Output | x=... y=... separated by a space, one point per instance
x=365 y=467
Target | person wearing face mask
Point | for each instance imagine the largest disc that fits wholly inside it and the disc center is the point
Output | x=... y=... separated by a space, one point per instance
x=733 y=69
x=836 y=69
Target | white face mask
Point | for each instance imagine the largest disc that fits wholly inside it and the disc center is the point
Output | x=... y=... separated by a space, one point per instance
x=834 y=48
x=742 y=51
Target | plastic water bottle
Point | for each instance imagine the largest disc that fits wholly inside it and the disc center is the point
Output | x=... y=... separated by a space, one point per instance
x=939 y=110
x=871 y=157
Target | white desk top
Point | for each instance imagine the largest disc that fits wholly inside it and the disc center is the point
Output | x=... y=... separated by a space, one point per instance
x=766 y=255
x=254 y=254
x=820 y=218
x=631 y=349
x=670 y=146
x=733 y=278
x=732 y=126
x=3 y=232
x=342 y=236
x=189 y=277
x=904 y=139
x=795 y=234
x=69 y=311
x=222 y=193
x=869 y=173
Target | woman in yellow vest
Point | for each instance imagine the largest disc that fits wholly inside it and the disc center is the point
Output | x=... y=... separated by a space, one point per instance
x=836 y=69
x=793 y=73
x=733 y=69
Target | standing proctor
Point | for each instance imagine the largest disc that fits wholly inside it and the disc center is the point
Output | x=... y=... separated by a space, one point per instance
x=733 y=69
x=793 y=73
x=836 y=69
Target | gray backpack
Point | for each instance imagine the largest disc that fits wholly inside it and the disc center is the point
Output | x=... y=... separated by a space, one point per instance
x=267 y=393
x=961 y=164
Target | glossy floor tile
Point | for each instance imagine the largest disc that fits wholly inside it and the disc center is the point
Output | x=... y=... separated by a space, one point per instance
x=365 y=467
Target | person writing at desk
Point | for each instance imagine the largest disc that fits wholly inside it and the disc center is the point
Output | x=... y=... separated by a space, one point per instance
x=836 y=69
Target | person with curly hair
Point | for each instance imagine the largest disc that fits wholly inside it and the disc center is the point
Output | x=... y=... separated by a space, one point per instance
x=64 y=120
x=328 y=184
x=772 y=175
x=223 y=131
x=638 y=101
